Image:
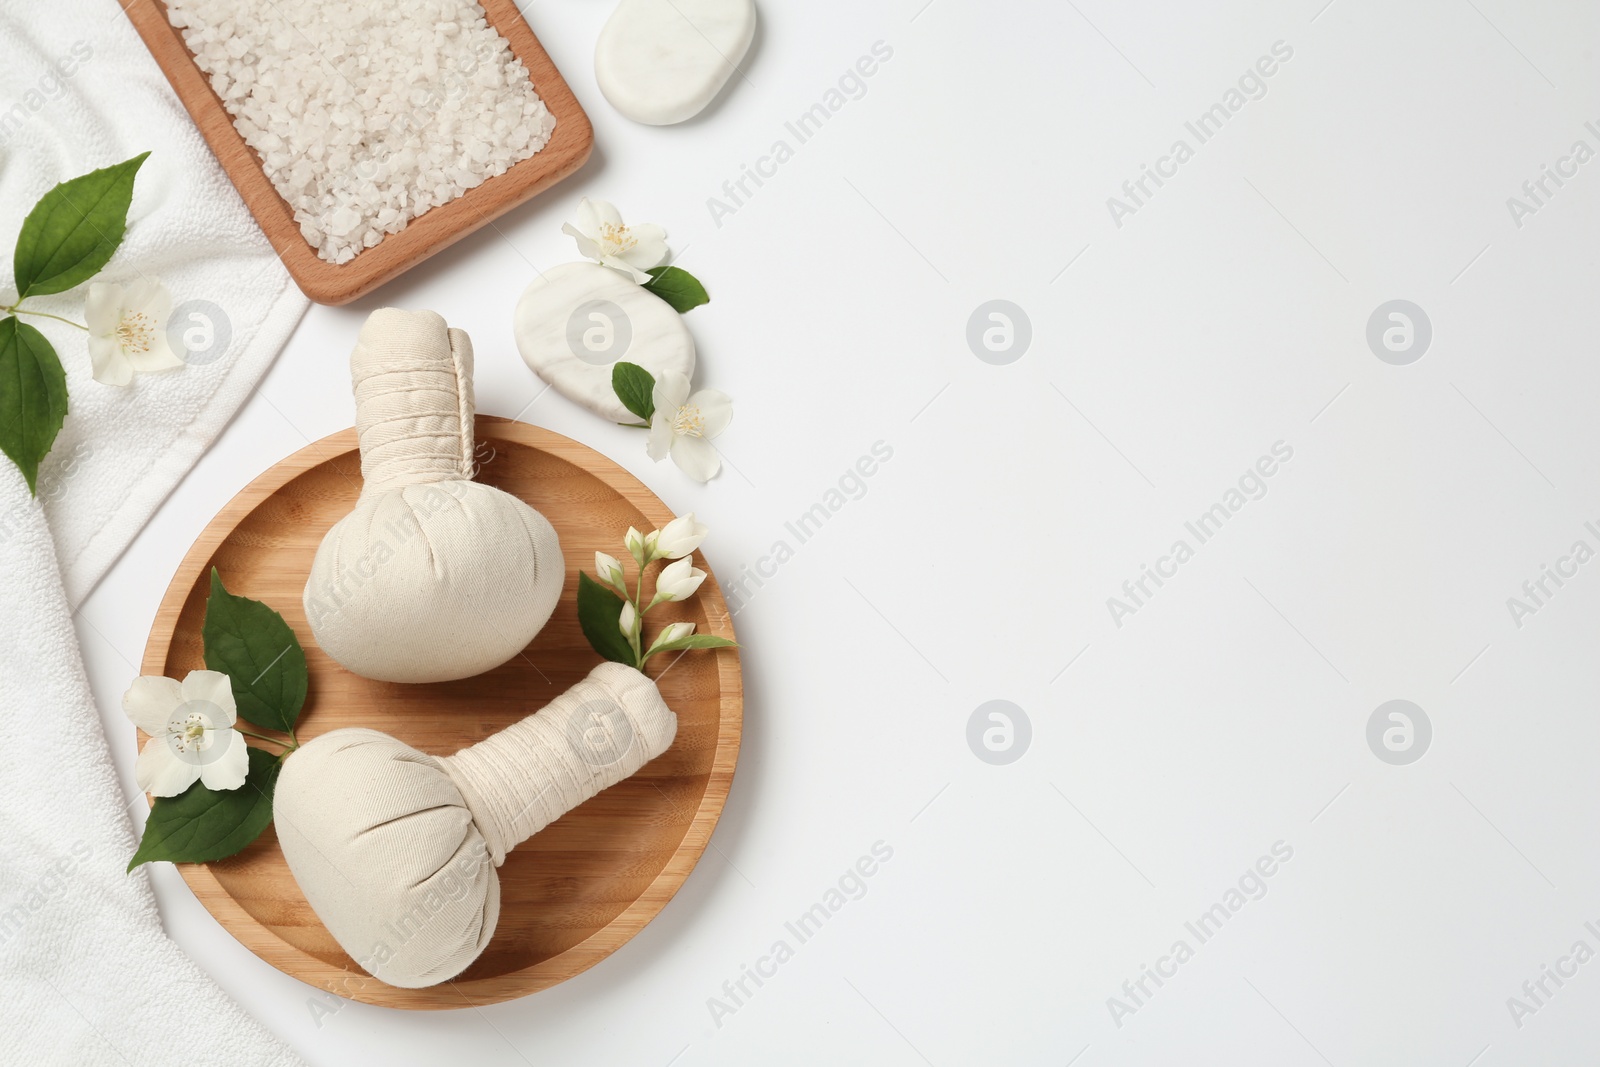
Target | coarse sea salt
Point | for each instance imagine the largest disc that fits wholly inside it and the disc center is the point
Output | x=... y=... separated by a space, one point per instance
x=366 y=114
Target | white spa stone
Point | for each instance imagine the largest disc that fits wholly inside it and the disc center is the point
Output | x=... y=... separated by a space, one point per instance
x=579 y=319
x=663 y=61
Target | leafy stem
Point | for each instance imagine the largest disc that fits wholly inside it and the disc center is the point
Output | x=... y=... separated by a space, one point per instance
x=611 y=611
x=18 y=309
x=288 y=746
x=66 y=239
x=636 y=639
x=244 y=639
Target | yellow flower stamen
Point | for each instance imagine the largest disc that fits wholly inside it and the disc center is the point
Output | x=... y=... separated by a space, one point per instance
x=688 y=422
x=136 y=331
x=191 y=732
x=617 y=238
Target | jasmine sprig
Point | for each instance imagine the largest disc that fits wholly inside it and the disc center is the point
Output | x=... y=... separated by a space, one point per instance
x=67 y=238
x=213 y=793
x=612 y=612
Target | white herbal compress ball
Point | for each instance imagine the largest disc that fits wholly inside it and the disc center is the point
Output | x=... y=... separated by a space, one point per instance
x=396 y=850
x=433 y=576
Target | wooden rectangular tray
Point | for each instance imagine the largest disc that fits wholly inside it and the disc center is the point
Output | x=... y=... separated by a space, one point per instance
x=328 y=283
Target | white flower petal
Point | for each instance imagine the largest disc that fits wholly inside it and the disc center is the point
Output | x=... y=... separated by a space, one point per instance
x=648 y=233
x=586 y=246
x=672 y=632
x=151 y=297
x=603 y=212
x=649 y=247
x=159 y=358
x=228 y=770
x=660 y=441
x=679 y=526
x=214 y=688
x=150 y=702
x=670 y=582
x=682 y=536
x=642 y=257
x=102 y=308
x=622 y=266
x=716 y=408
x=160 y=772
x=696 y=458
x=110 y=366
x=677 y=631
x=588 y=220
x=670 y=393
x=679 y=580
x=692 y=583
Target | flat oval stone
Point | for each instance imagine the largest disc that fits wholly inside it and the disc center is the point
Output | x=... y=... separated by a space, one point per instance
x=579 y=319
x=663 y=61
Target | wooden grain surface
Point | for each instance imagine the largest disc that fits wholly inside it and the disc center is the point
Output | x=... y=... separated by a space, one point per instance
x=328 y=283
x=570 y=895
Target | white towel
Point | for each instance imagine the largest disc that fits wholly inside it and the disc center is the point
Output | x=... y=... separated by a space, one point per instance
x=87 y=975
x=123 y=449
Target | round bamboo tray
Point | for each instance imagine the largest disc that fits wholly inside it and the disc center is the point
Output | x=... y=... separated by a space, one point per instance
x=572 y=894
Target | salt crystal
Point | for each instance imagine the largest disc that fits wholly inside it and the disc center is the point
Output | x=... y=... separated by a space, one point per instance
x=344 y=220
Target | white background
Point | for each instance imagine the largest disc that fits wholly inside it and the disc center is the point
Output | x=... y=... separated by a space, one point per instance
x=1230 y=712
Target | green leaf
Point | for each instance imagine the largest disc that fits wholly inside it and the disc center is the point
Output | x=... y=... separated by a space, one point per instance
x=695 y=641
x=33 y=396
x=200 y=825
x=636 y=388
x=677 y=287
x=254 y=647
x=72 y=232
x=599 y=610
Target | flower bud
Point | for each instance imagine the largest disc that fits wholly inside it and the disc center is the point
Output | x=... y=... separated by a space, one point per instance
x=676 y=631
x=679 y=580
x=609 y=570
x=680 y=537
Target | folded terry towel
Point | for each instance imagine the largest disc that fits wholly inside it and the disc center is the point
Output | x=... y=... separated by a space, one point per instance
x=87 y=976
x=123 y=449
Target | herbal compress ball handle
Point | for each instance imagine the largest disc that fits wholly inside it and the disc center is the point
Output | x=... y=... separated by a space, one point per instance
x=433 y=576
x=412 y=378
x=396 y=850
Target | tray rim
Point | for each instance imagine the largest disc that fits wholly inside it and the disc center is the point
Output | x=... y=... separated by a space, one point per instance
x=328 y=283
x=263 y=942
